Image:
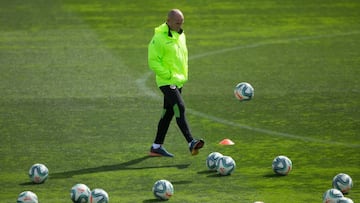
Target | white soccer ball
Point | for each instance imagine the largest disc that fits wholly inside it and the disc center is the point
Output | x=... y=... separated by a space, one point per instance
x=38 y=173
x=342 y=182
x=225 y=165
x=282 y=165
x=332 y=196
x=80 y=193
x=244 y=91
x=99 y=195
x=27 y=197
x=344 y=200
x=211 y=160
x=163 y=189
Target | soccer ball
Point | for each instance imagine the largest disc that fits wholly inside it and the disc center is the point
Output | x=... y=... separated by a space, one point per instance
x=342 y=182
x=163 y=189
x=244 y=91
x=225 y=165
x=99 y=196
x=80 y=193
x=282 y=165
x=211 y=160
x=332 y=196
x=27 y=197
x=344 y=200
x=38 y=173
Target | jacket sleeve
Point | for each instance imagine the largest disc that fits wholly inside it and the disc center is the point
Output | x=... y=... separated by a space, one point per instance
x=155 y=59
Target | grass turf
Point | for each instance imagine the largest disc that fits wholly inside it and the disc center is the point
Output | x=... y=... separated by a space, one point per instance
x=77 y=95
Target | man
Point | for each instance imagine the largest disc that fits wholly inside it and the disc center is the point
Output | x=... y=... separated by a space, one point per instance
x=168 y=58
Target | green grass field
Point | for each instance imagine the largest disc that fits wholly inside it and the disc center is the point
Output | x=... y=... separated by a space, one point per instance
x=76 y=94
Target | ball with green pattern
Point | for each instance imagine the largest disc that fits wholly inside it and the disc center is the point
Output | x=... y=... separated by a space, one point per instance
x=99 y=195
x=332 y=196
x=38 y=173
x=80 y=193
x=27 y=197
x=344 y=200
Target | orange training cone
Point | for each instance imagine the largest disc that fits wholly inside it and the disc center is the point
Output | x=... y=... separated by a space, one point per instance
x=226 y=142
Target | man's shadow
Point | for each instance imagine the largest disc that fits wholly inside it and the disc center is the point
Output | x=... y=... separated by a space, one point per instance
x=121 y=166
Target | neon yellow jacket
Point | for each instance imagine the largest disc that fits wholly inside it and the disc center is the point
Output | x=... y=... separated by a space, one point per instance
x=168 y=56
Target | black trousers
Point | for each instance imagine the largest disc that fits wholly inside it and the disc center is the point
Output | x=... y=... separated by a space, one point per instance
x=173 y=105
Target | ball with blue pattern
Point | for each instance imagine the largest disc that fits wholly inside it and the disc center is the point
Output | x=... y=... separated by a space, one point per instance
x=163 y=189
x=342 y=182
x=211 y=160
x=282 y=165
x=244 y=91
x=225 y=165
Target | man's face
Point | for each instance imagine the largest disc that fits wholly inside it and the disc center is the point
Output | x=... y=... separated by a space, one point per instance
x=176 y=22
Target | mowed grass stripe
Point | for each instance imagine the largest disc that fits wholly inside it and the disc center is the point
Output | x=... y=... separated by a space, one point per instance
x=61 y=63
x=59 y=87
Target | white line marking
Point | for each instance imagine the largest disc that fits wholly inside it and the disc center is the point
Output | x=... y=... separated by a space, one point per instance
x=141 y=83
x=264 y=131
x=270 y=42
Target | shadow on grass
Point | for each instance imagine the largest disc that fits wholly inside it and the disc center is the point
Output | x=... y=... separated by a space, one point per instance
x=122 y=166
x=30 y=183
x=153 y=200
x=212 y=174
x=206 y=172
x=273 y=175
x=217 y=175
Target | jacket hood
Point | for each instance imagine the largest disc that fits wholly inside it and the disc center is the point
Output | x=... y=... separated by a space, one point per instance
x=163 y=28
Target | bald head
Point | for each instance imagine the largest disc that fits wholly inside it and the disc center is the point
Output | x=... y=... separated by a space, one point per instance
x=175 y=19
x=175 y=13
